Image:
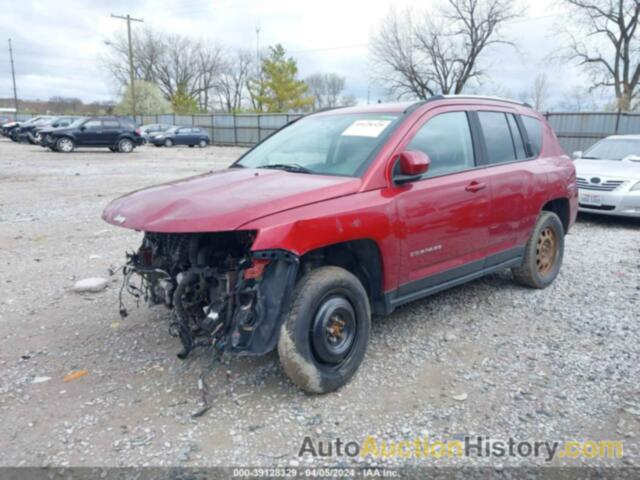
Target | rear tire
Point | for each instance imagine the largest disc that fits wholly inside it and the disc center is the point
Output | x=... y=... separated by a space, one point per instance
x=543 y=253
x=125 y=146
x=326 y=330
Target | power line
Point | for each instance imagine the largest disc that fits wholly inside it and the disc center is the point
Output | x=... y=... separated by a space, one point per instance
x=13 y=76
x=130 y=19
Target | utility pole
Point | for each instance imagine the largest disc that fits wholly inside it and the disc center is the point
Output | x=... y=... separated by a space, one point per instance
x=130 y=19
x=258 y=48
x=13 y=76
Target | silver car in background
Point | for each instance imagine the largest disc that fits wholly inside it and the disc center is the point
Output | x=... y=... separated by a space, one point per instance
x=608 y=176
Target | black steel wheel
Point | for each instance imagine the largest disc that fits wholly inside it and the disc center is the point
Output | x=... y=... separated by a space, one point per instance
x=325 y=332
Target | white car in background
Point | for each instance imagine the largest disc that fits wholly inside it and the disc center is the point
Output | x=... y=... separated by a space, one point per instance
x=608 y=176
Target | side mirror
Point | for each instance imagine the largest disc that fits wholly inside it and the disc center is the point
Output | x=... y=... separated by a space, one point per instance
x=83 y=128
x=577 y=154
x=412 y=165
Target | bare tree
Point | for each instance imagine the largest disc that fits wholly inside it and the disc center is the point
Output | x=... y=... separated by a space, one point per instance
x=231 y=85
x=538 y=94
x=577 y=99
x=148 y=48
x=176 y=63
x=64 y=104
x=210 y=65
x=422 y=58
x=326 y=89
x=608 y=45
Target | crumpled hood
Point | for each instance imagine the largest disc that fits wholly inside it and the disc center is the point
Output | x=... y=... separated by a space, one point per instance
x=608 y=169
x=223 y=200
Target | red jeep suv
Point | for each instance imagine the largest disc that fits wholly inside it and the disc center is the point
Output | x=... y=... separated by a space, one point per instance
x=347 y=213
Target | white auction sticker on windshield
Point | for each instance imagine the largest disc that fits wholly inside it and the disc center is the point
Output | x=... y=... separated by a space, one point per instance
x=366 y=128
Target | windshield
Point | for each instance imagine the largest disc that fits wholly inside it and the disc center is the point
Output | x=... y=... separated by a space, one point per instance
x=613 y=149
x=324 y=144
x=77 y=122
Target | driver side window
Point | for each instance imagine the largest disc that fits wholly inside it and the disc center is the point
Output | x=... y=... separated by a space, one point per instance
x=446 y=139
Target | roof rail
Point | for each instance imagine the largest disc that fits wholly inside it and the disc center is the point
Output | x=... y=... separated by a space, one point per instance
x=325 y=109
x=415 y=105
x=476 y=97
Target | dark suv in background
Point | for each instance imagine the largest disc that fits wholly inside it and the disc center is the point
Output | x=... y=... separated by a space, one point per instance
x=117 y=134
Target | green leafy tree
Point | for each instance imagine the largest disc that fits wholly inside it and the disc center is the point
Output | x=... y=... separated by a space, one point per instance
x=183 y=103
x=278 y=88
x=149 y=100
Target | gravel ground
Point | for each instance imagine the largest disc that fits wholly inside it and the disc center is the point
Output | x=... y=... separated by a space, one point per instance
x=489 y=358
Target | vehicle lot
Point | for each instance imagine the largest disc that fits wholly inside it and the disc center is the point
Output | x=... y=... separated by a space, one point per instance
x=557 y=364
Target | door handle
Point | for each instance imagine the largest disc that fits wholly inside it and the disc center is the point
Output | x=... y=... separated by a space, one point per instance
x=474 y=187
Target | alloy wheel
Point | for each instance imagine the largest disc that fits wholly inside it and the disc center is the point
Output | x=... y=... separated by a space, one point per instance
x=546 y=250
x=65 y=145
x=126 y=146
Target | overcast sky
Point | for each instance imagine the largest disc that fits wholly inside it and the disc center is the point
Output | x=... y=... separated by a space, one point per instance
x=57 y=44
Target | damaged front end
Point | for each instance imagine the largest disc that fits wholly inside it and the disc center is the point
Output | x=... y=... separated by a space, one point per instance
x=220 y=292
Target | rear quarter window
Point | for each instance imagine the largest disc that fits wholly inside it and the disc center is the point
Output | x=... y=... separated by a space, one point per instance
x=518 y=143
x=533 y=126
x=497 y=137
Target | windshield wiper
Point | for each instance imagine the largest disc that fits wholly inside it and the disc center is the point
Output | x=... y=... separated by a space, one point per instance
x=592 y=158
x=288 y=167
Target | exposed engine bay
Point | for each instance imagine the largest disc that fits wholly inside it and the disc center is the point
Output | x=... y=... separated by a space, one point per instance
x=220 y=293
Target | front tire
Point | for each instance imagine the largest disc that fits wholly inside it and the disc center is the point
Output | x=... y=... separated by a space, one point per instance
x=202 y=143
x=168 y=143
x=65 y=145
x=543 y=253
x=326 y=330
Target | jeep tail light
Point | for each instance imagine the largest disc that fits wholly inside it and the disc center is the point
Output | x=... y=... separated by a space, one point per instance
x=138 y=131
x=256 y=269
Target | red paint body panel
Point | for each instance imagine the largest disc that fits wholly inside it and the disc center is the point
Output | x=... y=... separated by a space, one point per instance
x=458 y=222
x=222 y=200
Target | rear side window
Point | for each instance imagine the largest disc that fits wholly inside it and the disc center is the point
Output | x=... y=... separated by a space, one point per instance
x=446 y=139
x=518 y=143
x=497 y=137
x=111 y=123
x=533 y=126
